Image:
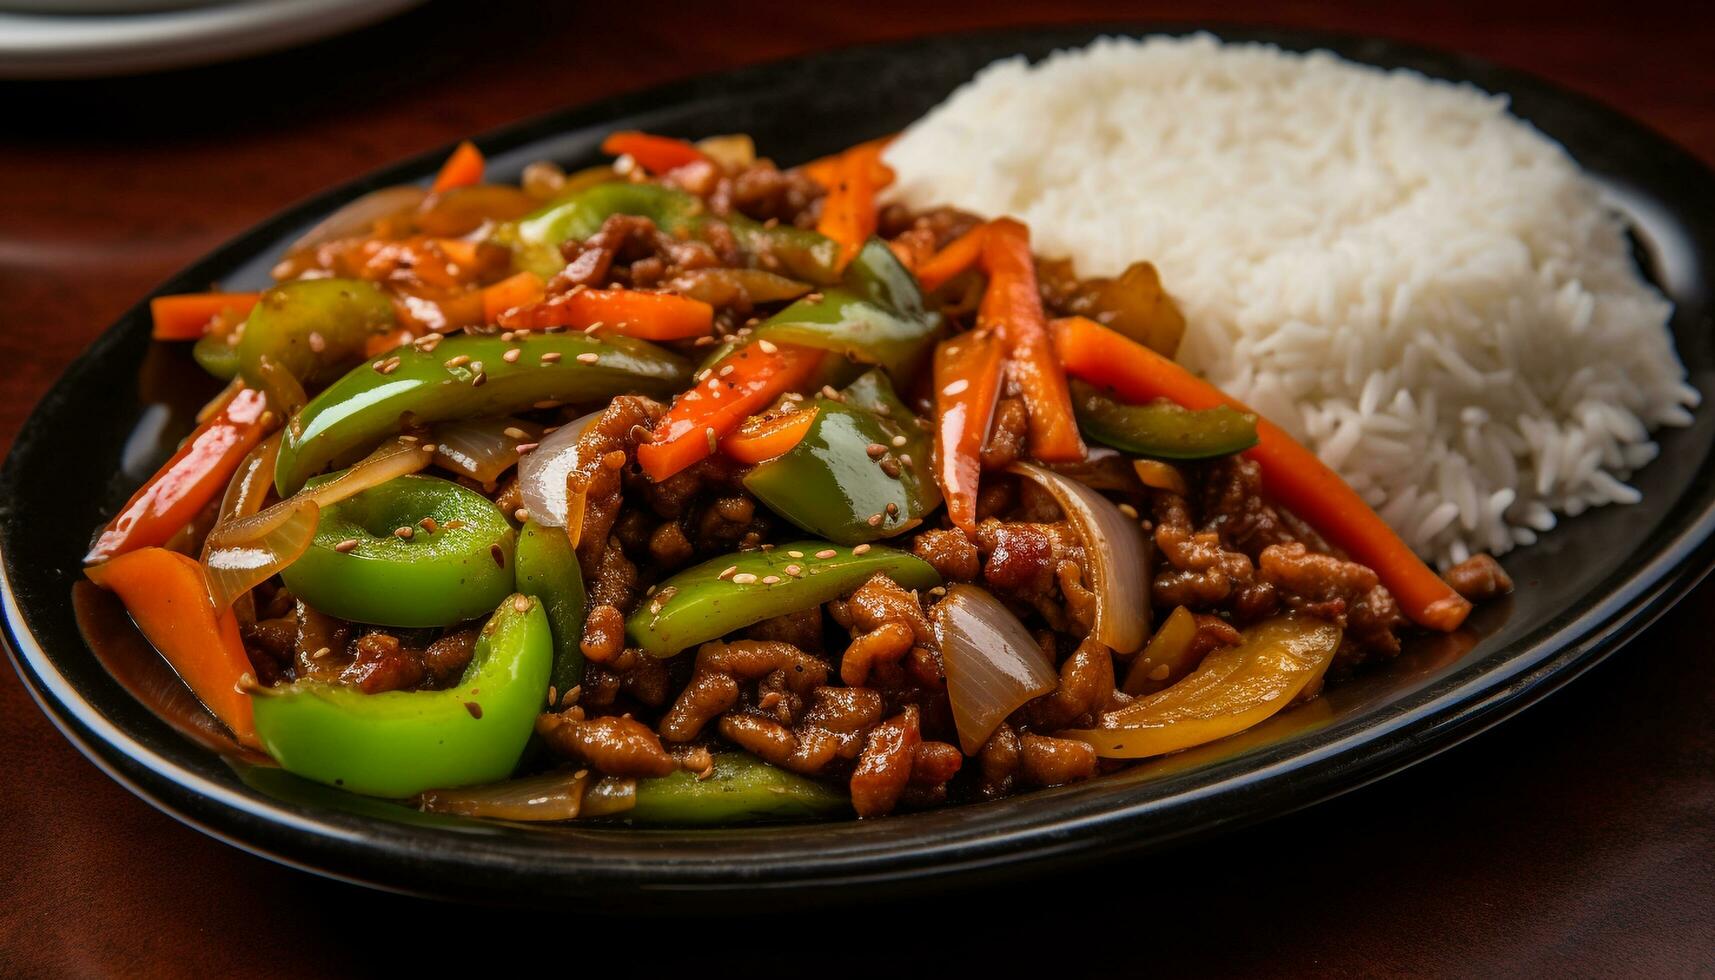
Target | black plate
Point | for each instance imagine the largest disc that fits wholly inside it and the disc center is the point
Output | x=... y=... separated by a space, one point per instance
x=1584 y=590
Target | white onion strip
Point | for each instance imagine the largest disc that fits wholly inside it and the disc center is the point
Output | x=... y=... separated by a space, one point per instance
x=1117 y=554
x=993 y=665
x=482 y=449
x=543 y=472
x=358 y=216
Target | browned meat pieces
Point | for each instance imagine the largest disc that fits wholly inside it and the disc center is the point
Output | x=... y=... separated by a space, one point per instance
x=887 y=623
x=1045 y=761
x=632 y=672
x=381 y=663
x=1021 y=557
x=445 y=660
x=615 y=745
x=951 y=552
x=884 y=768
x=1479 y=578
x=1005 y=444
x=1086 y=689
x=604 y=449
x=784 y=676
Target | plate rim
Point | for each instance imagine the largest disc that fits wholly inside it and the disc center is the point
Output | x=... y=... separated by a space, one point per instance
x=1446 y=712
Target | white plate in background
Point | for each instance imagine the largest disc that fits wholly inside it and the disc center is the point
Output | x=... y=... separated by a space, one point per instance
x=93 y=45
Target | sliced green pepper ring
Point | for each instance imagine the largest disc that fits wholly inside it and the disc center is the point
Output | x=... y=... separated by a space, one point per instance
x=741 y=789
x=1162 y=430
x=415 y=551
x=401 y=743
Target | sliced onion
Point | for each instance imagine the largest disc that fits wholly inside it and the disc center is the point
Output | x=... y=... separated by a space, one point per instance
x=245 y=551
x=993 y=665
x=551 y=796
x=733 y=152
x=254 y=549
x=543 y=473
x=1118 y=556
x=737 y=287
x=1102 y=469
x=482 y=449
x=612 y=795
x=358 y=216
x=285 y=393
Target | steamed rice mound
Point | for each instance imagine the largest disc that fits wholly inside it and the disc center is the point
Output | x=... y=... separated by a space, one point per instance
x=1421 y=286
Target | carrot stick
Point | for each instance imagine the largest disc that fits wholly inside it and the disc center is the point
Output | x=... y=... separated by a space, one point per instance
x=190 y=479
x=519 y=290
x=1291 y=473
x=632 y=312
x=463 y=167
x=691 y=430
x=189 y=315
x=959 y=254
x=849 y=210
x=967 y=377
x=656 y=154
x=461 y=252
x=165 y=595
x=380 y=343
x=826 y=170
x=758 y=439
x=1012 y=304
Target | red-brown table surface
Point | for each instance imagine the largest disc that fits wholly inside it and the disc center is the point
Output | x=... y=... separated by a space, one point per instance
x=1579 y=837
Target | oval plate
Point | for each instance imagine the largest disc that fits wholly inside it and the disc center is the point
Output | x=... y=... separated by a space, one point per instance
x=1583 y=591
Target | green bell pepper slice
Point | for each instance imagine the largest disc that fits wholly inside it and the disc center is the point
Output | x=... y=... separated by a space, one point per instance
x=547 y=568
x=457 y=571
x=401 y=743
x=743 y=789
x=708 y=601
x=466 y=376
x=536 y=238
x=1162 y=429
x=830 y=486
x=341 y=314
x=875 y=316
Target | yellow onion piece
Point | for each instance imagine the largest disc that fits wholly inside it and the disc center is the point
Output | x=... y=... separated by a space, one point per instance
x=358 y=216
x=1166 y=658
x=613 y=794
x=391 y=461
x=482 y=449
x=1233 y=689
x=1117 y=556
x=544 y=472
x=993 y=664
x=548 y=797
x=247 y=552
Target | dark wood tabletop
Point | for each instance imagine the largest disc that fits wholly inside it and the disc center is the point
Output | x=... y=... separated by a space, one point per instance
x=1578 y=838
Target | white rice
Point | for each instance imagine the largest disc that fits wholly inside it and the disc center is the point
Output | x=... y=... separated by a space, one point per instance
x=1418 y=284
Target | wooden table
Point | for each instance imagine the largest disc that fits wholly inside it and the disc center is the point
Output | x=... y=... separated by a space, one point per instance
x=1578 y=838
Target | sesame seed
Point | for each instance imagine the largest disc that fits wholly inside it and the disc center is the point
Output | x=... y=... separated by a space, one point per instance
x=553 y=695
x=892 y=509
x=317 y=342
x=571 y=696
x=829 y=392
x=826 y=553
x=938 y=590
x=874 y=520
x=875 y=450
x=478 y=380
x=476 y=366
x=767 y=347
x=592 y=328
x=713 y=442
x=456 y=362
x=794 y=554
x=890 y=467
x=345 y=546
x=454 y=525
x=508 y=336
x=525 y=447
x=1128 y=510
x=512 y=432
x=403 y=532
x=956 y=388
x=550 y=357
x=702 y=375
x=520 y=604
x=707 y=340
x=860 y=549
x=409 y=438
x=512 y=356
x=321 y=652
x=428 y=524
x=521 y=515
x=429 y=447
x=428 y=343
x=723 y=372
x=728 y=572
x=771 y=580
x=744 y=578
x=588 y=357
x=794 y=570
x=905 y=459
x=898 y=441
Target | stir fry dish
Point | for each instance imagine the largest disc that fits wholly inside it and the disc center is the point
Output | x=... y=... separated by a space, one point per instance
x=691 y=490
